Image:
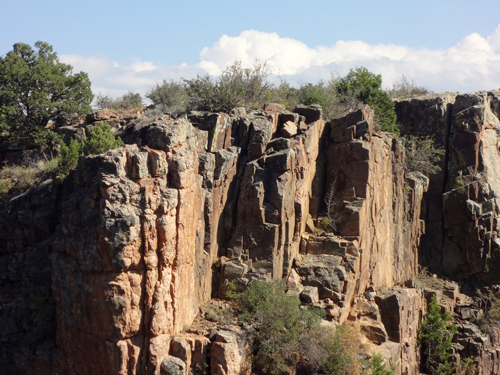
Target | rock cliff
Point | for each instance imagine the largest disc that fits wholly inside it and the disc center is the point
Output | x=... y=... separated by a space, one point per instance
x=106 y=273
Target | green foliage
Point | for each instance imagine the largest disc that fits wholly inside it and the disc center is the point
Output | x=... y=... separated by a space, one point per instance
x=366 y=87
x=230 y=292
x=405 y=89
x=100 y=139
x=131 y=101
x=279 y=322
x=378 y=366
x=435 y=338
x=468 y=366
x=68 y=158
x=169 y=96
x=342 y=347
x=153 y=112
x=36 y=88
x=284 y=94
x=309 y=94
x=422 y=155
x=236 y=86
x=324 y=223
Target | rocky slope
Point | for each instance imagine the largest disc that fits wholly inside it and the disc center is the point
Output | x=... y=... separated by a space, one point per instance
x=106 y=273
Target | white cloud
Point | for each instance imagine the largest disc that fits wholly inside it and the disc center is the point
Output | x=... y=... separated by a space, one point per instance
x=472 y=64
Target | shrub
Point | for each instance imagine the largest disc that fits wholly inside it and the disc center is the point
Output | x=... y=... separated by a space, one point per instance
x=378 y=366
x=15 y=179
x=328 y=96
x=100 y=139
x=435 y=337
x=366 y=87
x=169 y=96
x=313 y=94
x=284 y=94
x=103 y=101
x=278 y=320
x=235 y=87
x=404 y=89
x=422 y=155
x=491 y=317
x=153 y=112
x=130 y=101
x=68 y=158
x=342 y=347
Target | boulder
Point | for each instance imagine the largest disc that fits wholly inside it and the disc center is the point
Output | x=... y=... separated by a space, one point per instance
x=172 y=366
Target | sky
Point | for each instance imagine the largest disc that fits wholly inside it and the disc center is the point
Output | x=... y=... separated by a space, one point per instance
x=443 y=45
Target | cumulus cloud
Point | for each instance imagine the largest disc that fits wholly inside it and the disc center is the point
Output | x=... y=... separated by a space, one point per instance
x=472 y=64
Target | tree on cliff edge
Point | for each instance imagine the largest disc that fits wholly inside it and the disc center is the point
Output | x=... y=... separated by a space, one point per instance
x=366 y=87
x=36 y=88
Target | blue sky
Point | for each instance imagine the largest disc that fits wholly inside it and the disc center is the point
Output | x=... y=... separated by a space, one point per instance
x=128 y=45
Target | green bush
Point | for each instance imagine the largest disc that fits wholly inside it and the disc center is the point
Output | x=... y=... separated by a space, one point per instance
x=100 y=139
x=235 y=87
x=278 y=320
x=342 y=352
x=378 y=366
x=435 y=335
x=366 y=87
x=422 y=155
x=283 y=94
x=130 y=101
x=309 y=94
x=153 y=112
x=169 y=96
x=68 y=158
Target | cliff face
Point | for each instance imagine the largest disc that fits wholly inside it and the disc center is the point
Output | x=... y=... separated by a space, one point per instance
x=129 y=248
x=461 y=209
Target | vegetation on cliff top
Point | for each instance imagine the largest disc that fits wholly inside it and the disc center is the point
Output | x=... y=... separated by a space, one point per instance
x=36 y=88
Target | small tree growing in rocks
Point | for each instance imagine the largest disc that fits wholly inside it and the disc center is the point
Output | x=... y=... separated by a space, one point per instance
x=435 y=338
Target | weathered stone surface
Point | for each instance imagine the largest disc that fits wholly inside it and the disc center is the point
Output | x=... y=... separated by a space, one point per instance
x=322 y=271
x=172 y=366
x=312 y=113
x=289 y=129
x=310 y=294
x=230 y=353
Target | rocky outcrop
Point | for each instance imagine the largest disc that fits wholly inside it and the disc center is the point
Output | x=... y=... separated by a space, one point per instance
x=137 y=240
x=461 y=208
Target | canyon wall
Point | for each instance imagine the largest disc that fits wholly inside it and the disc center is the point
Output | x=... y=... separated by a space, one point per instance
x=106 y=272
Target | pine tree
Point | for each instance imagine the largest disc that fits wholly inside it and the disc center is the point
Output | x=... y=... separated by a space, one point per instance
x=435 y=338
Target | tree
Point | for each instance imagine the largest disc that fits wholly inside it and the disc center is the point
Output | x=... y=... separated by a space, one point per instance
x=36 y=88
x=378 y=366
x=366 y=86
x=435 y=338
x=100 y=139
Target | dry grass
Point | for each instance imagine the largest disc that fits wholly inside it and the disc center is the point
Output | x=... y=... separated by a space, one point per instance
x=16 y=179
